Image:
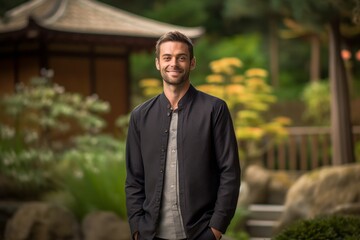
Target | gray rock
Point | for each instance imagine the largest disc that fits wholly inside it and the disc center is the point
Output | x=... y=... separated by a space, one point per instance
x=42 y=221
x=324 y=191
x=102 y=225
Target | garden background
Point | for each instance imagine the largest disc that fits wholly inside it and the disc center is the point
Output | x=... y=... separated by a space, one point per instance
x=268 y=59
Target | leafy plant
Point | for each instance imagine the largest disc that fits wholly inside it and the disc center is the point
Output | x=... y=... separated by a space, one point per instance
x=235 y=229
x=316 y=97
x=248 y=97
x=330 y=228
x=38 y=117
x=92 y=176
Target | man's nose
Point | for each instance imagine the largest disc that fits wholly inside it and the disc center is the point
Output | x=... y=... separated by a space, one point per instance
x=173 y=61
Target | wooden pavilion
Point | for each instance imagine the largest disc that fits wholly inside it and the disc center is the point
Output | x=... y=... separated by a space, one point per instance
x=86 y=43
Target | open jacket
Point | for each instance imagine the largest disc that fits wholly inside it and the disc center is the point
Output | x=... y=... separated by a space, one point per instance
x=208 y=161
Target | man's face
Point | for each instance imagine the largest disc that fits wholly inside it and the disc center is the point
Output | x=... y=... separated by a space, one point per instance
x=174 y=62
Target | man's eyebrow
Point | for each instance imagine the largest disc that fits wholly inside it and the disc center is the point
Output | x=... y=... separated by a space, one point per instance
x=177 y=55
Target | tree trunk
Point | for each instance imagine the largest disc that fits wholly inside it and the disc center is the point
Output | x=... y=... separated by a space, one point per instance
x=341 y=129
x=274 y=52
x=315 y=58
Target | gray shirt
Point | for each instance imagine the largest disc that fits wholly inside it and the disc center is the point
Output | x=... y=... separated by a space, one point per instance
x=170 y=224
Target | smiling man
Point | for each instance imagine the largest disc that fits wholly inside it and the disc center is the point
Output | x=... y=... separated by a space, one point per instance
x=183 y=173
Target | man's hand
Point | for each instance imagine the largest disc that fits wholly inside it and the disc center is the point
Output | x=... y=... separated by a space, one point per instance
x=216 y=233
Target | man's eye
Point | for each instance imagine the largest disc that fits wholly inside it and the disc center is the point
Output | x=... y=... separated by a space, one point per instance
x=166 y=58
x=182 y=58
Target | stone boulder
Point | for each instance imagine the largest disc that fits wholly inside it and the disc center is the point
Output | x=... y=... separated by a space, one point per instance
x=256 y=179
x=328 y=190
x=7 y=210
x=105 y=226
x=42 y=221
x=263 y=186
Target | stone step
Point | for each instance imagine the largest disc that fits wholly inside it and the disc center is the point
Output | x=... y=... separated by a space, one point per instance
x=262 y=220
x=265 y=212
x=262 y=229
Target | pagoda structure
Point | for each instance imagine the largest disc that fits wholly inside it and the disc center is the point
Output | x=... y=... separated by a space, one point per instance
x=86 y=43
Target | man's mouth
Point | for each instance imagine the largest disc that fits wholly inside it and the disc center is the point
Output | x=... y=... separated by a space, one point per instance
x=174 y=72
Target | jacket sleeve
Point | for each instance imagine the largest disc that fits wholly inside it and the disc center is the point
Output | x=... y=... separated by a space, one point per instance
x=134 y=186
x=227 y=157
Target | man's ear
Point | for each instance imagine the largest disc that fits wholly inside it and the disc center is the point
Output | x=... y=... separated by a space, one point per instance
x=193 y=63
x=157 y=64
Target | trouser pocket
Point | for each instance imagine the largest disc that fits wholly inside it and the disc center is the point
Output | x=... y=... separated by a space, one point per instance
x=207 y=234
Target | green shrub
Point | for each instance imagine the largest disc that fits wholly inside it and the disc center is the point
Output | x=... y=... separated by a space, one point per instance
x=316 y=97
x=236 y=227
x=92 y=176
x=51 y=147
x=35 y=116
x=327 y=228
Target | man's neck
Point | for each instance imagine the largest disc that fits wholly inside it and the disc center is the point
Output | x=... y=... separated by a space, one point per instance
x=175 y=92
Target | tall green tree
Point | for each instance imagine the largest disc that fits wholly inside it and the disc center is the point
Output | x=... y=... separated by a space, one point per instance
x=331 y=14
x=294 y=30
x=260 y=12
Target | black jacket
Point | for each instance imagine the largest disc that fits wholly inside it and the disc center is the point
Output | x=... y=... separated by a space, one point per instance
x=209 y=171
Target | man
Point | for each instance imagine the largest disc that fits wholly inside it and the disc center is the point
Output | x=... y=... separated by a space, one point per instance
x=183 y=173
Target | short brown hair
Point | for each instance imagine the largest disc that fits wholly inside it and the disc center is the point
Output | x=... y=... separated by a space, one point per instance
x=175 y=36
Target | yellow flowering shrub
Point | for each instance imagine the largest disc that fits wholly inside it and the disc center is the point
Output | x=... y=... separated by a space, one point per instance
x=249 y=97
x=151 y=86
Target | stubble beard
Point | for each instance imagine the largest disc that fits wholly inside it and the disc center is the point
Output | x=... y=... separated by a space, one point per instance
x=176 y=82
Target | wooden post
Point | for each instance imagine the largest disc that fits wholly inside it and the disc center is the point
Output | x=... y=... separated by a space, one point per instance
x=343 y=149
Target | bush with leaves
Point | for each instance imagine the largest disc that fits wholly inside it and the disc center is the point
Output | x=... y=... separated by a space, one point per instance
x=36 y=119
x=328 y=228
x=249 y=98
x=91 y=176
x=316 y=97
x=236 y=226
x=52 y=145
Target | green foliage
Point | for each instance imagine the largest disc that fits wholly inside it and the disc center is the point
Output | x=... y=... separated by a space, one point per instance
x=92 y=175
x=34 y=115
x=168 y=11
x=246 y=8
x=289 y=93
x=83 y=169
x=248 y=96
x=293 y=72
x=316 y=14
x=44 y=109
x=316 y=97
x=235 y=229
x=326 y=228
x=246 y=47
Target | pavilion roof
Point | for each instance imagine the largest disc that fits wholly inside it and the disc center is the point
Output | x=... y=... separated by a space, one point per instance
x=86 y=17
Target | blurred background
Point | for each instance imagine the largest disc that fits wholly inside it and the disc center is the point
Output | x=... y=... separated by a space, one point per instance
x=72 y=70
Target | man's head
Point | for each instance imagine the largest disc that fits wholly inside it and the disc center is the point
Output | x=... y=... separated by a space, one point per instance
x=175 y=58
x=174 y=36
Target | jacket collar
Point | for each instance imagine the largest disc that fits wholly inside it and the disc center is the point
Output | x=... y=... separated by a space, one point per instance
x=187 y=98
